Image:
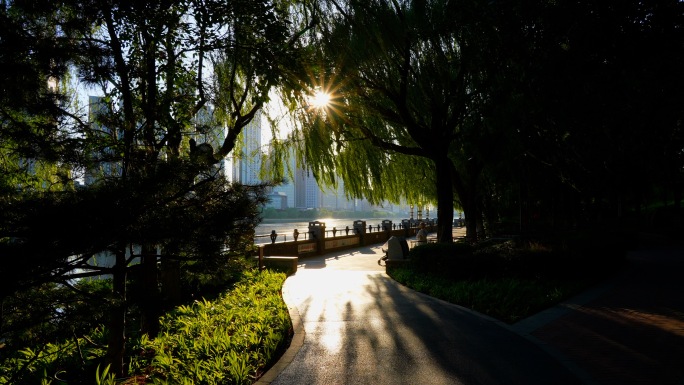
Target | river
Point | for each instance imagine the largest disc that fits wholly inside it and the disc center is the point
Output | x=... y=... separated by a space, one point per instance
x=284 y=229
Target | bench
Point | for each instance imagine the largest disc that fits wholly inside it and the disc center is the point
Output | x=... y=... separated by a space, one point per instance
x=288 y=264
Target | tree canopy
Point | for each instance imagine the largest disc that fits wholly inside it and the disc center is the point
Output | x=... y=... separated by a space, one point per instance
x=501 y=108
x=137 y=171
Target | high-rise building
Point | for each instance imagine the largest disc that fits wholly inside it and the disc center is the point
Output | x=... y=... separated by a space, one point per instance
x=247 y=164
x=300 y=187
x=288 y=186
x=313 y=191
x=335 y=199
x=105 y=163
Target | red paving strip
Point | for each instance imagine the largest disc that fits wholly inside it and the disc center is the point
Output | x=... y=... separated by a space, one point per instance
x=631 y=334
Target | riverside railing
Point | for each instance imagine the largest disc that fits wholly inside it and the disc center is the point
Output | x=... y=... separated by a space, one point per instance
x=317 y=239
x=297 y=235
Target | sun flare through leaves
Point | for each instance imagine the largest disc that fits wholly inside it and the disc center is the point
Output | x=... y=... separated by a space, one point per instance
x=320 y=99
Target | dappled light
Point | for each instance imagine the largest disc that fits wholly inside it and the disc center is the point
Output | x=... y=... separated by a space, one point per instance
x=362 y=327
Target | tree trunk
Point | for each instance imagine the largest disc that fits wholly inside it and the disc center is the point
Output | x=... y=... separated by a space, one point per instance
x=469 y=214
x=117 y=322
x=467 y=204
x=170 y=278
x=150 y=291
x=479 y=222
x=445 y=200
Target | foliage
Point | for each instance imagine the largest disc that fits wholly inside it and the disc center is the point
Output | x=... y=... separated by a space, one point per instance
x=72 y=360
x=210 y=276
x=163 y=208
x=170 y=77
x=229 y=340
x=507 y=299
x=557 y=114
x=52 y=312
x=583 y=119
x=226 y=341
x=400 y=85
x=549 y=111
x=568 y=255
x=452 y=259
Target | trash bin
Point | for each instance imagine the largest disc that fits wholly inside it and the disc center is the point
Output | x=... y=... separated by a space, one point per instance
x=360 y=227
x=317 y=229
x=387 y=225
x=405 y=224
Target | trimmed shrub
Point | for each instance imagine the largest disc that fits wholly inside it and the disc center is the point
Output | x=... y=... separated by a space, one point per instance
x=442 y=259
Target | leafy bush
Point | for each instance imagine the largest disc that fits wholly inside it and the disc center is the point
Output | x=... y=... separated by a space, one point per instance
x=72 y=361
x=214 y=275
x=566 y=256
x=227 y=341
x=442 y=258
x=50 y=312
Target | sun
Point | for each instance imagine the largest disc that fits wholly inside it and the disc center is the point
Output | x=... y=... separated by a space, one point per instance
x=320 y=99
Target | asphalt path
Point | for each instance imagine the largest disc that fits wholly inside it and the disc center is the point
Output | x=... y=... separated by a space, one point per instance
x=355 y=325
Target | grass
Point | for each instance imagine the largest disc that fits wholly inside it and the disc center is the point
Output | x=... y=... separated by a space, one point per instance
x=510 y=280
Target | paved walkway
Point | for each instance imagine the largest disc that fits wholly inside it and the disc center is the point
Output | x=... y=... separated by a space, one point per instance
x=355 y=325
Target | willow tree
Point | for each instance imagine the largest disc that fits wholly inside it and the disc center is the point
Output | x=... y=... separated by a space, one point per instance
x=405 y=80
